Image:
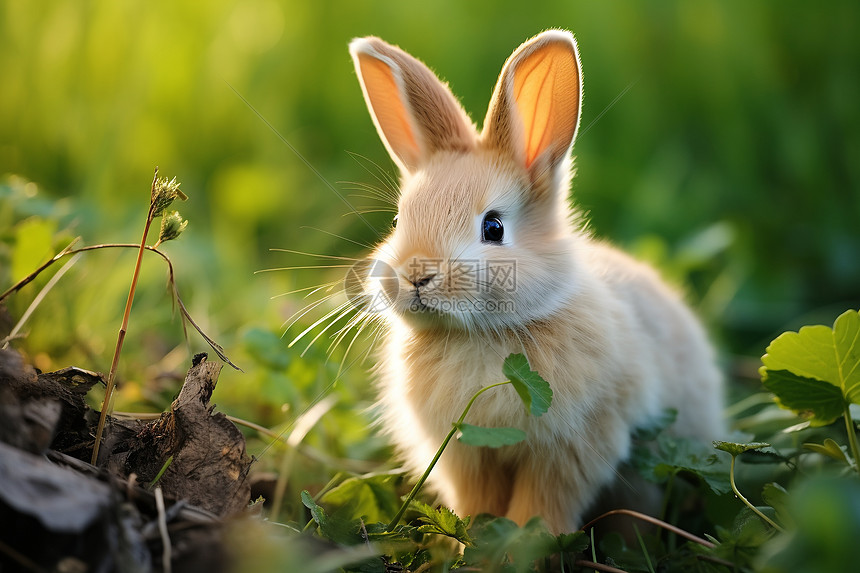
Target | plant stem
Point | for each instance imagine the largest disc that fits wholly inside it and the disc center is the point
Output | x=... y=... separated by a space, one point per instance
x=667 y=494
x=593 y=546
x=121 y=337
x=426 y=474
x=161 y=472
x=644 y=549
x=852 y=437
x=475 y=397
x=421 y=480
x=743 y=499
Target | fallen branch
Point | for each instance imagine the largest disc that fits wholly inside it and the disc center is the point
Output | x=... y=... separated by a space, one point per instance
x=653 y=521
x=597 y=566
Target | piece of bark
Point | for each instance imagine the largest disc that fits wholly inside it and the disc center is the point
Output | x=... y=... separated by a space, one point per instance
x=58 y=518
x=75 y=428
x=27 y=424
x=50 y=514
x=209 y=465
x=46 y=409
x=61 y=499
x=28 y=415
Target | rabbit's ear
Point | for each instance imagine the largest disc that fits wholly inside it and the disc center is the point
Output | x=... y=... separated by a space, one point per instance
x=535 y=109
x=414 y=112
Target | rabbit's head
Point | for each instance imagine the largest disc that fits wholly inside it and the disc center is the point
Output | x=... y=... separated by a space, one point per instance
x=484 y=233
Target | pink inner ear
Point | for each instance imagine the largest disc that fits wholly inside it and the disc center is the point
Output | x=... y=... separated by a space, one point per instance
x=391 y=115
x=546 y=92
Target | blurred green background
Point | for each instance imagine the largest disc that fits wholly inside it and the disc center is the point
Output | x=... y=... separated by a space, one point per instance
x=720 y=140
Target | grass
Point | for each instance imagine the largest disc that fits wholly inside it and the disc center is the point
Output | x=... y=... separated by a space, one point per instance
x=357 y=509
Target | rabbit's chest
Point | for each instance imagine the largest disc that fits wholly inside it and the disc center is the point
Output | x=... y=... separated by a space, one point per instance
x=438 y=383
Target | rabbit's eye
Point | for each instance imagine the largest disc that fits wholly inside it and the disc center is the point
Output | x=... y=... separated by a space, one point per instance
x=492 y=229
x=394 y=222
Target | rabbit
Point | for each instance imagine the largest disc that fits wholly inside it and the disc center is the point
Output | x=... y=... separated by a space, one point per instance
x=488 y=258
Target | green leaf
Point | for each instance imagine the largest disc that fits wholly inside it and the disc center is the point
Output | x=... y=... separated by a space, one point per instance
x=341 y=531
x=820 y=401
x=502 y=546
x=317 y=512
x=776 y=496
x=830 y=449
x=493 y=538
x=370 y=498
x=736 y=449
x=533 y=390
x=674 y=454
x=160 y=473
x=657 y=426
x=573 y=542
x=442 y=521
x=741 y=543
x=489 y=437
x=816 y=353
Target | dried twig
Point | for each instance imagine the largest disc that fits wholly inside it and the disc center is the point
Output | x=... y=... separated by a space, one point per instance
x=170 y=279
x=162 y=529
x=718 y=561
x=19 y=557
x=597 y=566
x=29 y=278
x=654 y=521
x=38 y=300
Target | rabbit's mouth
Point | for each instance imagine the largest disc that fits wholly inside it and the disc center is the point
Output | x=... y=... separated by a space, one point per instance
x=435 y=306
x=421 y=311
x=423 y=303
x=425 y=308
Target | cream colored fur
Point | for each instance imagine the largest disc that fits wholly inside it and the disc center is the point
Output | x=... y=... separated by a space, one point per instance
x=616 y=345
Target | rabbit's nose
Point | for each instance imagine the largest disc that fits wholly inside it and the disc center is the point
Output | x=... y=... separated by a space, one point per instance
x=418 y=283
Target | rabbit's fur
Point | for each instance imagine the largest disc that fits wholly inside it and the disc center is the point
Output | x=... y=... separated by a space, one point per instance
x=616 y=344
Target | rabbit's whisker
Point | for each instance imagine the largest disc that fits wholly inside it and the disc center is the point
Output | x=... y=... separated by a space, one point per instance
x=313 y=289
x=381 y=175
x=304 y=268
x=366 y=211
x=342 y=311
x=341 y=237
x=314 y=255
x=339 y=308
x=303 y=311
